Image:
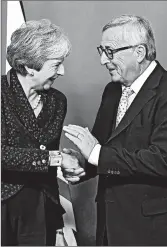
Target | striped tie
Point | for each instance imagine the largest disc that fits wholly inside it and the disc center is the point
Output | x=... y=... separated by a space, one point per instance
x=123 y=104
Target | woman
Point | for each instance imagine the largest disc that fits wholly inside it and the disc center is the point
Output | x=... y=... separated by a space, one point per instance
x=32 y=117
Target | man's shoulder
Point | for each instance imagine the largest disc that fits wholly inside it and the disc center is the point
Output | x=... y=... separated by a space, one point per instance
x=112 y=88
x=163 y=84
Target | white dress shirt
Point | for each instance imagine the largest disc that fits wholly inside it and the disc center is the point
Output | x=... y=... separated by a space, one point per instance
x=136 y=86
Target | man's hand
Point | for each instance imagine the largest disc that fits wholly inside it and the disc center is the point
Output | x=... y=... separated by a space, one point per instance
x=76 y=154
x=82 y=138
x=74 y=174
x=69 y=161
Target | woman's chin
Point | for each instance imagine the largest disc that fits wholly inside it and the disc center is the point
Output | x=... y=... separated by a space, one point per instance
x=46 y=87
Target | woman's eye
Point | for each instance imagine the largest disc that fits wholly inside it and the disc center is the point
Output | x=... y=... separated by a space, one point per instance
x=56 y=66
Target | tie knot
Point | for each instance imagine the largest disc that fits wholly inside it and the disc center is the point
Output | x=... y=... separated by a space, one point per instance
x=127 y=91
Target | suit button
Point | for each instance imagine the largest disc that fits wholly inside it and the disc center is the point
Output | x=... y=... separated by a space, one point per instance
x=42 y=147
x=43 y=161
x=34 y=163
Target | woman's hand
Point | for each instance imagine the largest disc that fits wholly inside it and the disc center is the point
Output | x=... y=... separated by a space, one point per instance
x=73 y=175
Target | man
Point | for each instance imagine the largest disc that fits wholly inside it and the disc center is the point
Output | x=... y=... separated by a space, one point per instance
x=129 y=142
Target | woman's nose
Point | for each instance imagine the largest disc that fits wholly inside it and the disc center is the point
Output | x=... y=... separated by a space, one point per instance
x=60 y=70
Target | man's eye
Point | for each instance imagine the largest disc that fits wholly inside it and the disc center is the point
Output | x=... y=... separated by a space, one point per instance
x=109 y=51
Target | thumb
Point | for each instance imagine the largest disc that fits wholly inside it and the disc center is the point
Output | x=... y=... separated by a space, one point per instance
x=66 y=151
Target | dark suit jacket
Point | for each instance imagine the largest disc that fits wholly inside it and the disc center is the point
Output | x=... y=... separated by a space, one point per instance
x=132 y=190
x=24 y=163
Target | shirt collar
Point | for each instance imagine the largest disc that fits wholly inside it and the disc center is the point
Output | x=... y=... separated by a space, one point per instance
x=138 y=83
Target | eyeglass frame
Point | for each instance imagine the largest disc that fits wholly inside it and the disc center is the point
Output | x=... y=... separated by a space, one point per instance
x=115 y=50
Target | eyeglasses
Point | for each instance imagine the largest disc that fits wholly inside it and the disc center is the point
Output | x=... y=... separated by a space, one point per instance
x=109 y=52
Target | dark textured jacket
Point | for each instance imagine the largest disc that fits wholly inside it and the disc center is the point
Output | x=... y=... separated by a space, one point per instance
x=24 y=160
x=132 y=168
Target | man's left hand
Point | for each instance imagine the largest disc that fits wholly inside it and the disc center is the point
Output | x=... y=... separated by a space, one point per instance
x=82 y=138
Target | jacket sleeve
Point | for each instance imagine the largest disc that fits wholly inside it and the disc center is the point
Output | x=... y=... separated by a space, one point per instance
x=91 y=170
x=151 y=161
x=21 y=159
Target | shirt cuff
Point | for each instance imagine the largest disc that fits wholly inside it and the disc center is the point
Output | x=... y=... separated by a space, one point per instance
x=55 y=158
x=94 y=156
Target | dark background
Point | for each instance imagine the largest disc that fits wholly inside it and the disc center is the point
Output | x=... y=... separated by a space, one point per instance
x=85 y=78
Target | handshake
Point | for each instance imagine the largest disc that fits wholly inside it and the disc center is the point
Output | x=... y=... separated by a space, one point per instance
x=73 y=162
x=72 y=165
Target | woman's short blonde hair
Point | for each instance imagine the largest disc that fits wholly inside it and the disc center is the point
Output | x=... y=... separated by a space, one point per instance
x=34 y=43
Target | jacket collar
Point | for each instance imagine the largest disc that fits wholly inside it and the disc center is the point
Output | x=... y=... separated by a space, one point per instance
x=147 y=92
x=22 y=108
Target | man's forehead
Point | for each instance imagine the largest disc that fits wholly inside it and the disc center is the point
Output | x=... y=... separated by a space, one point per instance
x=112 y=36
x=113 y=33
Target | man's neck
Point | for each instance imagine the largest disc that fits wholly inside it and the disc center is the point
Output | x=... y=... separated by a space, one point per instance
x=142 y=67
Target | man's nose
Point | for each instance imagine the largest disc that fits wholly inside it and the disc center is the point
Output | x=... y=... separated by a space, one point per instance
x=104 y=59
x=60 y=70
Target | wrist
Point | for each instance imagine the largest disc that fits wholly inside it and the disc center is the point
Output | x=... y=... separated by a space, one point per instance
x=94 y=155
x=55 y=158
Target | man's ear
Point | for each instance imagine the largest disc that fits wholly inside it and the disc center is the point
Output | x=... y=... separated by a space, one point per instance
x=29 y=71
x=141 y=53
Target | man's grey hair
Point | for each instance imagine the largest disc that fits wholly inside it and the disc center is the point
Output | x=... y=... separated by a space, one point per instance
x=34 y=43
x=136 y=30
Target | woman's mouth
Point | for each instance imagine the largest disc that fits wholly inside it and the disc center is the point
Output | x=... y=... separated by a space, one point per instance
x=53 y=78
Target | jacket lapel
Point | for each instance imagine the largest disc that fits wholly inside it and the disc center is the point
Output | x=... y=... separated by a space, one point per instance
x=22 y=106
x=146 y=93
x=106 y=114
x=47 y=119
x=24 y=113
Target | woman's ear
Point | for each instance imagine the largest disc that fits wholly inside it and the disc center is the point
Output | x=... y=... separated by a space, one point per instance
x=141 y=53
x=29 y=71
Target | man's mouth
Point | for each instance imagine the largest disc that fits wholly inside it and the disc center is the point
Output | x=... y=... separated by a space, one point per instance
x=111 y=71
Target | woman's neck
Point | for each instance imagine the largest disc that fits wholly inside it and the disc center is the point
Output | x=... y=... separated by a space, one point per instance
x=27 y=85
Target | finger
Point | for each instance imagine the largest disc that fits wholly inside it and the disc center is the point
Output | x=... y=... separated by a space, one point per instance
x=75 y=140
x=74 y=175
x=82 y=174
x=73 y=179
x=75 y=172
x=79 y=129
x=70 y=131
x=68 y=170
x=66 y=151
x=69 y=174
x=73 y=151
x=76 y=128
x=78 y=171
